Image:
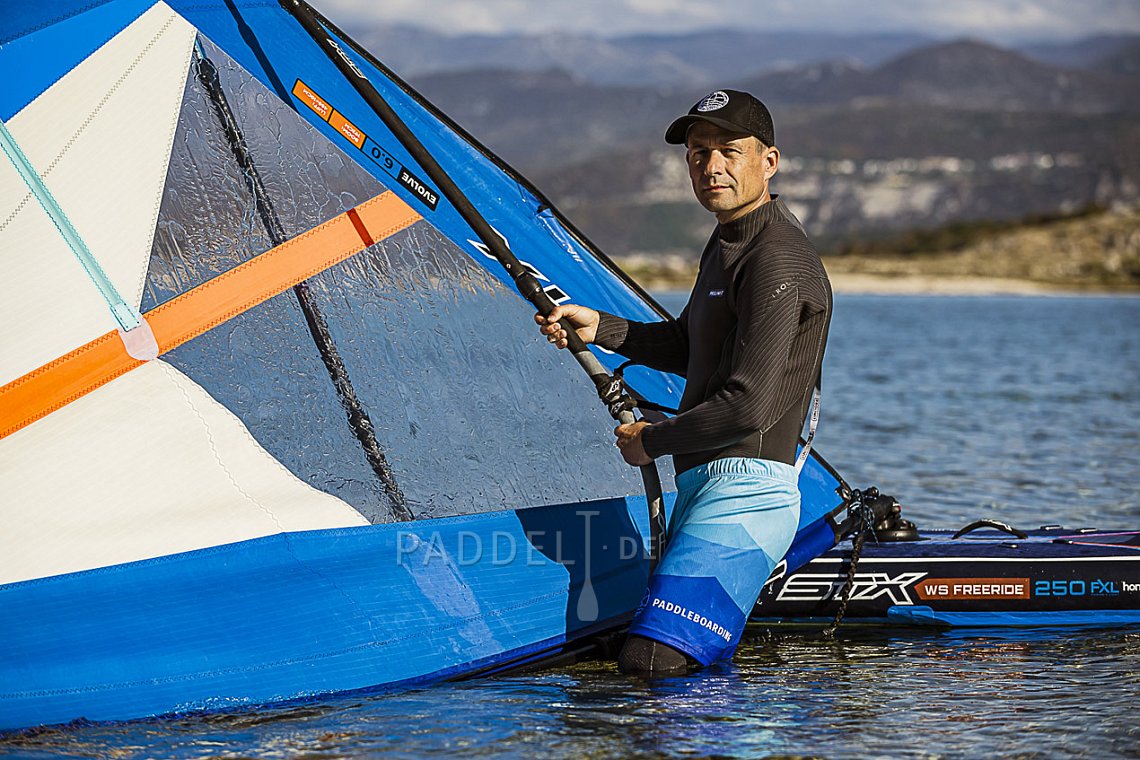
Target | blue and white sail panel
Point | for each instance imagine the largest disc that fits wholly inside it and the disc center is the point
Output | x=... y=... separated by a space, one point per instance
x=149 y=464
x=99 y=138
x=41 y=41
x=187 y=452
x=146 y=466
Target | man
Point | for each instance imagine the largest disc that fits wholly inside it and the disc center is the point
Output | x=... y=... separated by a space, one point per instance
x=750 y=345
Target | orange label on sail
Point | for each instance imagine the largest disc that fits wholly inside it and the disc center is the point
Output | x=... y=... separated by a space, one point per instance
x=314 y=101
x=347 y=128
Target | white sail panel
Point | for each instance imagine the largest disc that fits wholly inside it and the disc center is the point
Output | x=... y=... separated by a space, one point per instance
x=39 y=329
x=145 y=466
x=100 y=138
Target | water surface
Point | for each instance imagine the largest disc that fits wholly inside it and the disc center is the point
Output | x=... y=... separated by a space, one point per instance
x=1023 y=409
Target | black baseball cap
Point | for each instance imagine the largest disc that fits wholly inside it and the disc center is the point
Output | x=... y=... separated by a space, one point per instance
x=733 y=110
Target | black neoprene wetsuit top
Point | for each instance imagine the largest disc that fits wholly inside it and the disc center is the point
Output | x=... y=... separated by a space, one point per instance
x=749 y=343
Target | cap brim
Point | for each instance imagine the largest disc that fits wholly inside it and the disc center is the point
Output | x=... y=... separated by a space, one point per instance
x=678 y=131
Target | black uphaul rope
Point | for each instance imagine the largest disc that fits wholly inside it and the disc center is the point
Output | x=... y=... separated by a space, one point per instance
x=865 y=519
x=610 y=389
x=358 y=419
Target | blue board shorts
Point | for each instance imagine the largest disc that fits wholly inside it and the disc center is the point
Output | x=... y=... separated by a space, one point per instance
x=733 y=521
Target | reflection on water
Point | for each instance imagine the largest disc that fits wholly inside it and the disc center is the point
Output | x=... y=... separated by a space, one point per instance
x=1027 y=409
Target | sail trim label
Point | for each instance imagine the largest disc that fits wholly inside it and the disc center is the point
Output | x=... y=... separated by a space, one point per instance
x=366 y=145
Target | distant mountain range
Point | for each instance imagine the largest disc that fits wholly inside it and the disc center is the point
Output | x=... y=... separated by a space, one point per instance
x=961 y=74
x=693 y=60
x=878 y=132
x=697 y=60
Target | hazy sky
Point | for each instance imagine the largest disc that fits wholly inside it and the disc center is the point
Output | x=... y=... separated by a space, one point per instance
x=996 y=20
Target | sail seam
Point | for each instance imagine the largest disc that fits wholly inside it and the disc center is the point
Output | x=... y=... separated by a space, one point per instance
x=170 y=374
x=125 y=314
x=175 y=117
x=67 y=146
x=111 y=91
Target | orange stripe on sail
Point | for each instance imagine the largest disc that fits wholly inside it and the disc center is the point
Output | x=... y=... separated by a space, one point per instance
x=73 y=375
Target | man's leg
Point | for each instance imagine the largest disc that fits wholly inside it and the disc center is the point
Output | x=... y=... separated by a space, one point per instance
x=735 y=519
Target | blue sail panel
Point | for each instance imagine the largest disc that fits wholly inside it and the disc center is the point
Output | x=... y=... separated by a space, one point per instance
x=42 y=41
x=295 y=615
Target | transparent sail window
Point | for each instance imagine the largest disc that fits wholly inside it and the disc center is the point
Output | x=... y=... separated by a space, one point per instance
x=471 y=410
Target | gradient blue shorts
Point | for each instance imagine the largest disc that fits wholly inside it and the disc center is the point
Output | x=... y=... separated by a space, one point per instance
x=733 y=521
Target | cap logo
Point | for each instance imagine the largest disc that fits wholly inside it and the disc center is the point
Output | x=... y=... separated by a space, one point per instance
x=712 y=102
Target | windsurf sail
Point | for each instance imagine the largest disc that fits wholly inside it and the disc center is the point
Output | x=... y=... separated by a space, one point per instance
x=308 y=136
x=335 y=348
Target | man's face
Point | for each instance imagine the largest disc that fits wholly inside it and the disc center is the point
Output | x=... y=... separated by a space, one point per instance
x=729 y=171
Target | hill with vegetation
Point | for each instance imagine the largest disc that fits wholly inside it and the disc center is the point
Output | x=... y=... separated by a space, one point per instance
x=1094 y=250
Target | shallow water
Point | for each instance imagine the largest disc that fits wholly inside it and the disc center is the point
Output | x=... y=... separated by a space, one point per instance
x=1024 y=409
x=1042 y=694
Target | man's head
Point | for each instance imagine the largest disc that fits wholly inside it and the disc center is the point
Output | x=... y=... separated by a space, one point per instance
x=731 y=156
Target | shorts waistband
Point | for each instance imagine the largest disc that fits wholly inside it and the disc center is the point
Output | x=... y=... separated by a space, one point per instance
x=764 y=468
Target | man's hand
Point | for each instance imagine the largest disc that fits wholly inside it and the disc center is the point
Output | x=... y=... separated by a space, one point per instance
x=583 y=319
x=629 y=441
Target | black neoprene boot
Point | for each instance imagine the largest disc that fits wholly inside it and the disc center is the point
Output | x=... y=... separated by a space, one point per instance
x=645 y=657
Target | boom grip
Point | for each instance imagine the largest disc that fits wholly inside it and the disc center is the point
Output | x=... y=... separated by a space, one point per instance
x=532 y=291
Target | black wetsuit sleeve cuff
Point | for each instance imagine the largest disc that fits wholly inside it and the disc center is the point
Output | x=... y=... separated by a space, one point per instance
x=612 y=331
x=649 y=444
